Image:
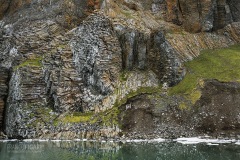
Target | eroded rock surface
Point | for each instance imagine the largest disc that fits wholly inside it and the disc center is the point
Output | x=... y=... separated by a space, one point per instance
x=218 y=108
x=196 y=16
x=216 y=114
x=97 y=59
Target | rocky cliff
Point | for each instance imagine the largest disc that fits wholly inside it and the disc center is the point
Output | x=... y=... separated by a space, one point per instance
x=105 y=69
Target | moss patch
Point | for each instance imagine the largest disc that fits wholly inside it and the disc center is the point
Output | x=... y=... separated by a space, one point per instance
x=110 y=117
x=124 y=76
x=183 y=106
x=220 y=64
x=78 y=117
x=127 y=14
x=39 y=115
x=141 y=90
x=194 y=96
x=36 y=62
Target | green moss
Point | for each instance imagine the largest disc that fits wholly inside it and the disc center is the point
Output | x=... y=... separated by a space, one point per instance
x=194 y=96
x=62 y=46
x=123 y=76
x=78 y=117
x=41 y=113
x=127 y=14
x=141 y=90
x=30 y=62
x=220 y=64
x=183 y=106
x=110 y=117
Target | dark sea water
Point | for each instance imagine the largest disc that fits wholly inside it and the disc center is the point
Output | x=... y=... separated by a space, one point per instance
x=84 y=150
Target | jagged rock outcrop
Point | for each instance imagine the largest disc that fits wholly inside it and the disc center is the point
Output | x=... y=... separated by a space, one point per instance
x=196 y=16
x=3 y=92
x=145 y=51
x=147 y=116
x=66 y=13
x=97 y=59
x=156 y=115
x=210 y=112
x=170 y=67
x=189 y=45
x=72 y=69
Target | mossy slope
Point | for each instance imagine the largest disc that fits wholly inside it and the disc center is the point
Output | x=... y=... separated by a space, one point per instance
x=220 y=64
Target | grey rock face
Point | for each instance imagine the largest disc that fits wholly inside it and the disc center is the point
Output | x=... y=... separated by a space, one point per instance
x=150 y=51
x=26 y=35
x=97 y=58
x=66 y=13
x=78 y=72
x=135 y=46
x=7 y=55
x=26 y=91
x=197 y=15
x=169 y=68
x=234 y=6
x=3 y=92
x=8 y=50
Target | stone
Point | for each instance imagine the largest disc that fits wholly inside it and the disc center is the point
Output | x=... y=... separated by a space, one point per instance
x=219 y=109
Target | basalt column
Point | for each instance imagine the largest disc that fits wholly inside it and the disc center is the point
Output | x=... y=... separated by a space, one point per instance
x=3 y=93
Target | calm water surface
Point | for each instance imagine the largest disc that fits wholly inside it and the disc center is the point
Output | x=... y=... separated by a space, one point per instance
x=72 y=150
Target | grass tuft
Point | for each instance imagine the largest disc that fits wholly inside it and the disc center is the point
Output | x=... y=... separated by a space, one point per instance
x=30 y=62
x=78 y=117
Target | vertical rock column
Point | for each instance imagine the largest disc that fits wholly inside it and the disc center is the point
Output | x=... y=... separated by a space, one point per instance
x=222 y=14
x=168 y=67
x=63 y=81
x=234 y=6
x=3 y=92
x=97 y=59
x=26 y=93
x=134 y=46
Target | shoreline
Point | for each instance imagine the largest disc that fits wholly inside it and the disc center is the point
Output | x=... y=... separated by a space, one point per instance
x=182 y=140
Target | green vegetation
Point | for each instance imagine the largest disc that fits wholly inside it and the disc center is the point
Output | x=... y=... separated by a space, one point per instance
x=110 y=116
x=127 y=14
x=171 y=32
x=30 y=62
x=41 y=113
x=220 y=64
x=183 y=106
x=141 y=90
x=78 y=117
x=36 y=61
x=62 y=46
x=44 y=116
x=123 y=76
